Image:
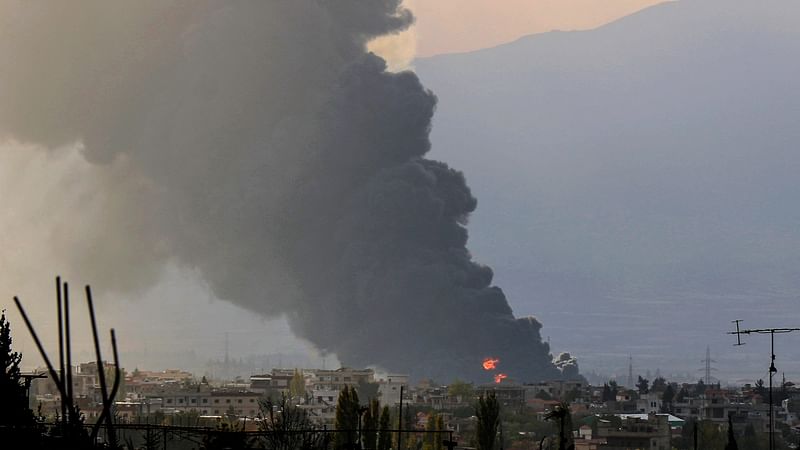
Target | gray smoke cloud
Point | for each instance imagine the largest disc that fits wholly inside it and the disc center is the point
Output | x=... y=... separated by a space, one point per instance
x=260 y=144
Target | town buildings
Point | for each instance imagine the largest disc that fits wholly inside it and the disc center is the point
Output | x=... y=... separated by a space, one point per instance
x=605 y=417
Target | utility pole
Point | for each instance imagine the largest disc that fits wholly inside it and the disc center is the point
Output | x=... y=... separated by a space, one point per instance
x=772 y=370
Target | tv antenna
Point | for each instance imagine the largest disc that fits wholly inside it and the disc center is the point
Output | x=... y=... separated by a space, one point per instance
x=772 y=370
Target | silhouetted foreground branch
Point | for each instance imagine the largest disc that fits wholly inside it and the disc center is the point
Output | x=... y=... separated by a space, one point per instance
x=71 y=430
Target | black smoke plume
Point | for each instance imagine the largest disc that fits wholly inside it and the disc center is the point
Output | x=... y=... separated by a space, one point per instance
x=259 y=143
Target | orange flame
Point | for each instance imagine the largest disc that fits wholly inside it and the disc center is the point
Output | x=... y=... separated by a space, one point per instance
x=490 y=363
x=500 y=377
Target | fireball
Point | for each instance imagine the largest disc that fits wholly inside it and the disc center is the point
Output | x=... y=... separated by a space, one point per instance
x=490 y=363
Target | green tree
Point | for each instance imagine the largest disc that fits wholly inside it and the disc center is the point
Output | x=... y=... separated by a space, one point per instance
x=700 y=389
x=710 y=437
x=369 y=427
x=643 y=385
x=572 y=395
x=461 y=390
x=659 y=384
x=731 y=445
x=487 y=412
x=606 y=395
x=14 y=409
x=681 y=396
x=347 y=412
x=439 y=444
x=430 y=438
x=613 y=389
x=666 y=398
x=384 y=435
x=297 y=385
x=410 y=441
x=760 y=388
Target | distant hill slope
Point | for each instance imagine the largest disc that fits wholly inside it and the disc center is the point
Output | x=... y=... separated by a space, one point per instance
x=638 y=184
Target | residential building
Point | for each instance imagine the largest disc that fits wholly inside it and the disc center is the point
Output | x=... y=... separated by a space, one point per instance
x=634 y=432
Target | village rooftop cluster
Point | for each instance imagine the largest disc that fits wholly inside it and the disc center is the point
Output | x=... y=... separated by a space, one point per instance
x=653 y=414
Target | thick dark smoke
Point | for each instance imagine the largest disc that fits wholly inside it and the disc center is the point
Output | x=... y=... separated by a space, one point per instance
x=261 y=144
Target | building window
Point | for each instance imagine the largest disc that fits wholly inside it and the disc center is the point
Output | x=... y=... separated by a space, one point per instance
x=205 y=400
x=169 y=400
x=239 y=401
x=252 y=401
x=180 y=400
x=194 y=400
x=216 y=400
x=227 y=400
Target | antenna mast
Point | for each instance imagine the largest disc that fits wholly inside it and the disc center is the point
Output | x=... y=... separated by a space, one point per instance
x=772 y=370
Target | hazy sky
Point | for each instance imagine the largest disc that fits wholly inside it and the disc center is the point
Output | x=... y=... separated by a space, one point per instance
x=448 y=26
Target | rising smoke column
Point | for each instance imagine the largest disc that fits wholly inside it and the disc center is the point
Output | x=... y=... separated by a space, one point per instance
x=261 y=144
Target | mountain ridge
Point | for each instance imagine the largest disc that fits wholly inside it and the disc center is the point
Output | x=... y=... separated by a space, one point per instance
x=652 y=158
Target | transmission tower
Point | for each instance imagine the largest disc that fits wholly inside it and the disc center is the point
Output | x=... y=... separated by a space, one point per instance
x=630 y=372
x=708 y=379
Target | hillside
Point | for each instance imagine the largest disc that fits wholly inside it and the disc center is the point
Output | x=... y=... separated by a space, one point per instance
x=638 y=183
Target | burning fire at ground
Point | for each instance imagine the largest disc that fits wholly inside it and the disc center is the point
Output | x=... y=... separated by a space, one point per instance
x=490 y=363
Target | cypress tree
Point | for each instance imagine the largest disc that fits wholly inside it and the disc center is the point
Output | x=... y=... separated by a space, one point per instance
x=731 y=437
x=369 y=428
x=14 y=409
x=488 y=413
x=384 y=436
x=430 y=438
x=347 y=408
x=438 y=445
